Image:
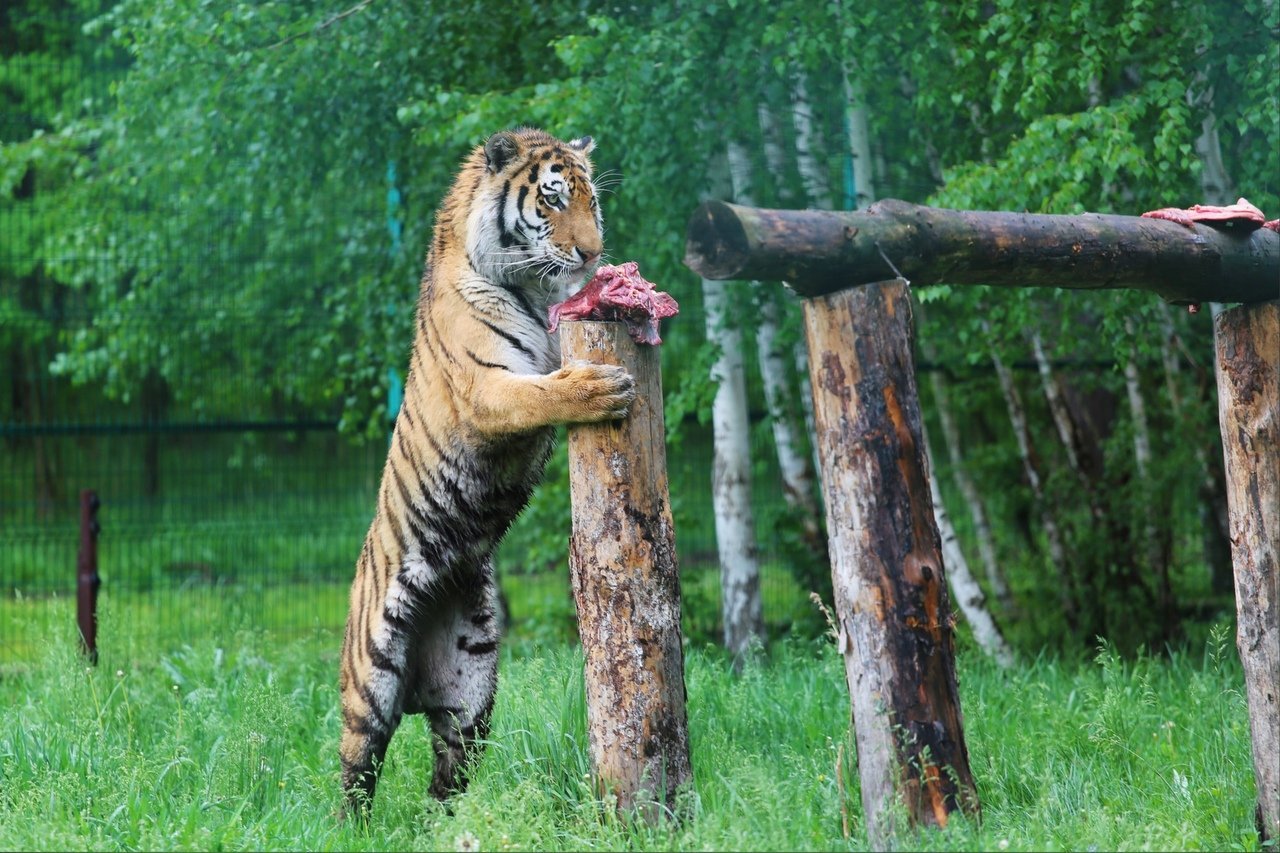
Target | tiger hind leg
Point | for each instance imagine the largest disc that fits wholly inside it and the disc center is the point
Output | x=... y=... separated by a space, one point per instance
x=372 y=685
x=459 y=660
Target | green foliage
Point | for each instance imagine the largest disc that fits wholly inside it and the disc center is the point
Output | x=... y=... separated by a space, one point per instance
x=204 y=187
x=230 y=742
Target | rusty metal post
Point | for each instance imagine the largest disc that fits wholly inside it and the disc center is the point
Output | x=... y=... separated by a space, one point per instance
x=626 y=584
x=87 y=580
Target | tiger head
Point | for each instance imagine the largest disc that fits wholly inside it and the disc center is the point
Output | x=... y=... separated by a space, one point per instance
x=535 y=219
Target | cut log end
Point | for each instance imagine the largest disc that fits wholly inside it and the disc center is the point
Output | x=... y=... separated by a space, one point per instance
x=716 y=244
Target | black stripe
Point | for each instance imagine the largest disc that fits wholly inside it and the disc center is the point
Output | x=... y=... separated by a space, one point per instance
x=437 y=340
x=375 y=710
x=356 y=724
x=480 y=361
x=382 y=660
x=505 y=238
x=390 y=518
x=400 y=623
x=481 y=648
x=511 y=339
x=525 y=305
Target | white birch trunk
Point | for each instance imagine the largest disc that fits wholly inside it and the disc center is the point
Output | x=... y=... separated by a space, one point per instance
x=731 y=480
x=965 y=588
x=816 y=186
x=1155 y=554
x=1053 y=536
x=776 y=161
x=798 y=481
x=1057 y=406
x=1215 y=183
x=731 y=471
x=982 y=526
x=859 y=140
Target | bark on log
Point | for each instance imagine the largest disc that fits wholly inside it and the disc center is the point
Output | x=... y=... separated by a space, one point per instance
x=819 y=252
x=1248 y=372
x=626 y=584
x=892 y=608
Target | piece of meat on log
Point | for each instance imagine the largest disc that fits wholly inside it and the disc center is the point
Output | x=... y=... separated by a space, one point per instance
x=1242 y=214
x=618 y=293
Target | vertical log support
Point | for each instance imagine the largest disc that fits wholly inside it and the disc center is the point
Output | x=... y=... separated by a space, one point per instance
x=626 y=584
x=895 y=626
x=1248 y=372
x=87 y=580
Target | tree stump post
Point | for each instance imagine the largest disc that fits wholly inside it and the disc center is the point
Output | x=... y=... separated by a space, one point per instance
x=88 y=581
x=894 y=619
x=1247 y=340
x=626 y=584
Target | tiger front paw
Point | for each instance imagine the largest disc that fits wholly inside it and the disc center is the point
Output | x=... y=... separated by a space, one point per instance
x=600 y=392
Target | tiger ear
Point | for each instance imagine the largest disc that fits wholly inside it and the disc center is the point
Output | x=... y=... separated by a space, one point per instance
x=499 y=150
x=583 y=144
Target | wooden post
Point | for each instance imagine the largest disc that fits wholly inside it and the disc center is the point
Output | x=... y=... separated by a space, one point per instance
x=1247 y=339
x=892 y=608
x=626 y=584
x=87 y=580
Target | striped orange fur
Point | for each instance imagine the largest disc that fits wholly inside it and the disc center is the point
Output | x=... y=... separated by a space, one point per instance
x=518 y=231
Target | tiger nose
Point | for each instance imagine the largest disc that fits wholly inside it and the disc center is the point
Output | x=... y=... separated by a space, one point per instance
x=588 y=256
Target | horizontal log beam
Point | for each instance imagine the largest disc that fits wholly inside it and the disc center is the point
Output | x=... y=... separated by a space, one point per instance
x=819 y=252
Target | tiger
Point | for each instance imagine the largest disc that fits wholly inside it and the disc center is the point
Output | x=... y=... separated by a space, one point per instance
x=519 y=230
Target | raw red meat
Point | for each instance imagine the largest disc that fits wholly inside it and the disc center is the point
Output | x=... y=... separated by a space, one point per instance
x=618 y=293
x=1241 y=213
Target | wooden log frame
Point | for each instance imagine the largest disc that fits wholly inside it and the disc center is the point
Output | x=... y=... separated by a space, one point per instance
x=1247 y=339
x=818 y=252
x=626 y=584
x=822 y=252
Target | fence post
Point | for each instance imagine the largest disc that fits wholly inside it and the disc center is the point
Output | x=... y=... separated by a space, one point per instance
x=87 y=580
x=1247 y=340
x=894 y=619
x=626 y=584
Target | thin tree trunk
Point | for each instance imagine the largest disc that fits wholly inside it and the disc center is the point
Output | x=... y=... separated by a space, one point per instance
x=741 y=607
x=1156 y=550
x=1061 y=412
x=777 y=166
x=1215 y=183
x=1215 y=526
x=798 y=482
x=964 y=586
x=814 y=178
x=859 y=140
x=973 y=500
x=731 y=480
x=1031 y=467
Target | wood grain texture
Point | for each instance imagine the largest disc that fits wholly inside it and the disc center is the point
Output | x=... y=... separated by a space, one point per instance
x=626 y=584
x=818 y=252
x=892 y=607
x=1247 y=339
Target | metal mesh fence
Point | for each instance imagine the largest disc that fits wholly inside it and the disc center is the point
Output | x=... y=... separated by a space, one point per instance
x=237 y=514
x=220 y=525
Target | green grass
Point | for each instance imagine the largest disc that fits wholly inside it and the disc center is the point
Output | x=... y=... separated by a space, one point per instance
x=227 y=740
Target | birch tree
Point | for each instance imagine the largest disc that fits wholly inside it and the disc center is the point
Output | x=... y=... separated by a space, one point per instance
x=964 y=586
x=797 y=470
x=741 y=606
